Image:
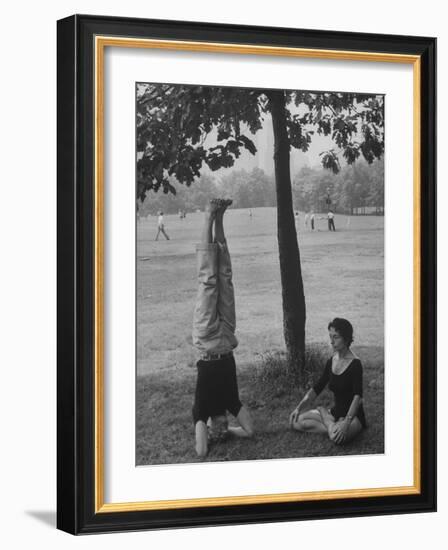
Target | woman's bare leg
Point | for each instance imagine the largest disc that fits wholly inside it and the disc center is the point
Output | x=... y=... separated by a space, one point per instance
x=328 y=420
x=353 y=430
x=310 y=421
x=332 y=426
x=245 y=428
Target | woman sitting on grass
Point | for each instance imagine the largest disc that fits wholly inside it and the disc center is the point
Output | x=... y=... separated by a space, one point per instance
x=214 y=337
x=343 y=374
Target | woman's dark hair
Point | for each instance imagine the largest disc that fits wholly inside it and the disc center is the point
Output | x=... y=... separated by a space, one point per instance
x=344 y=328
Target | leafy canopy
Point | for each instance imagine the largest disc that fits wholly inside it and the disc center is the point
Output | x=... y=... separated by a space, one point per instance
x=180 y=128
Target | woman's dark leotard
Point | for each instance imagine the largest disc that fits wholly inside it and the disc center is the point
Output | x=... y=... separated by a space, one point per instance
x=344 y=387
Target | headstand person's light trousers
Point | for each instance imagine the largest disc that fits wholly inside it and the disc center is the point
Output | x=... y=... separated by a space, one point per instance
x=214 y=319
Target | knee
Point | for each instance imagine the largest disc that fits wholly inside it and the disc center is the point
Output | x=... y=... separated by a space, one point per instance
x=245 y=421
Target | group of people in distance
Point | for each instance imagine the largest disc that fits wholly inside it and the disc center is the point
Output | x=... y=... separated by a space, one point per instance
x=214 y=338
x=310 y=218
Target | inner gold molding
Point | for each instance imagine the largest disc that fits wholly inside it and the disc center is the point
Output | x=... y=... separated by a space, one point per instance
x=101 y=42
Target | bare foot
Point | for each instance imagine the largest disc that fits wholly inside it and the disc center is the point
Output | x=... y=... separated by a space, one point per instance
x=323 y=412
x=327 y=418
x=212 y=207
x=223 y=205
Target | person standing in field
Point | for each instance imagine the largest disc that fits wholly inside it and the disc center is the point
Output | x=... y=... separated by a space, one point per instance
x=330 y=217
x=214 y=323
x=312 y=220
x=161 y=227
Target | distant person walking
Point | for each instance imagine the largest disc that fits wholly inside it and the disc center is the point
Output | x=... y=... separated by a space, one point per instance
x=307 y=219
x=161 y=227
x=330 y=217
x=312 y=220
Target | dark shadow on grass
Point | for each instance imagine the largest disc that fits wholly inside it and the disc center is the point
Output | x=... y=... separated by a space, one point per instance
x=47 y=517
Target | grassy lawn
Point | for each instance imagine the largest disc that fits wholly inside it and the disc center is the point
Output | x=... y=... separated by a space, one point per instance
x=343 y=276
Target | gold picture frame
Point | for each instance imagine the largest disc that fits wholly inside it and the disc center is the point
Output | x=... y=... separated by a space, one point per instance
x=83 y=40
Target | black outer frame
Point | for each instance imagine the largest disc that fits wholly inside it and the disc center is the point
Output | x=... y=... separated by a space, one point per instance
x=75 y=295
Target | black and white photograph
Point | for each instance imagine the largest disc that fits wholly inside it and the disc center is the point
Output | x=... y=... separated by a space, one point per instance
x=220 y=266
x=259 y=220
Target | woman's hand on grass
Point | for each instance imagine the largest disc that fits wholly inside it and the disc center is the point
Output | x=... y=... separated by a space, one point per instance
x=294 y=416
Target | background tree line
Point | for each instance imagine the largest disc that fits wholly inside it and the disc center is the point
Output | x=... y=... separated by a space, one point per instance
x=357 y=188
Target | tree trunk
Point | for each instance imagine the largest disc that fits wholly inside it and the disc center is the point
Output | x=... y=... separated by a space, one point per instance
x=294 y=312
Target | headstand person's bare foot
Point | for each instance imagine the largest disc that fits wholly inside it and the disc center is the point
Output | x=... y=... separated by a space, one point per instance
x=213 y=206
x=223 y=205
x=219 y=226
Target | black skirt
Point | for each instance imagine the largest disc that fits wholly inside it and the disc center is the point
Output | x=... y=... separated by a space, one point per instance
x=216 y=389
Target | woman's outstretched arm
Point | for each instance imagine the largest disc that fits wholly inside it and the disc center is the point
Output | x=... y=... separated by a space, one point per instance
x=311 y=394
x=305 y=403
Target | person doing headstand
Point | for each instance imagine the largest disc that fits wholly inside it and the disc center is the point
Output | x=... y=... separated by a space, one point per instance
x=214 y=337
